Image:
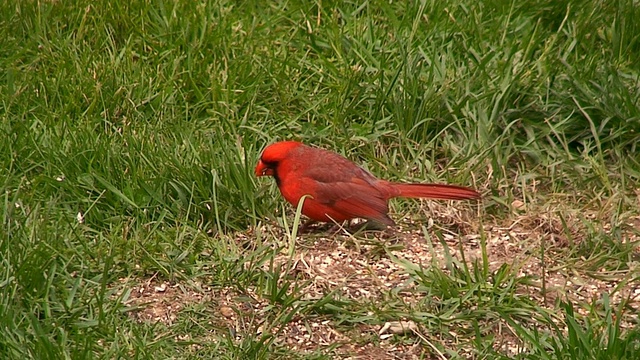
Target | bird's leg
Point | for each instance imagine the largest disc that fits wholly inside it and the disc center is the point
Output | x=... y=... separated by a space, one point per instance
x=339 y=227
x=369 y=225
x=304 y=228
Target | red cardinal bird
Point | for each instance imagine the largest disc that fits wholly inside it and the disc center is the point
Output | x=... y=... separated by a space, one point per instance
x=339 y=189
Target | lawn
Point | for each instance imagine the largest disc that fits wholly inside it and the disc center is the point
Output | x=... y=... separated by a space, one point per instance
x=133 y=225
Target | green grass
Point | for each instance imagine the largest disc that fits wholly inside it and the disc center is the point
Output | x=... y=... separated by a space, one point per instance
x=147 y=118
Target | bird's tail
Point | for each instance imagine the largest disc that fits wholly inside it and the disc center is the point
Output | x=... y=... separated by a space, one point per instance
x=435 y=191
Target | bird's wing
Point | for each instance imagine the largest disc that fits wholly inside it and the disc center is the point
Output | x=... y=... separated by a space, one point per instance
x=355 y=199
x=331 y=168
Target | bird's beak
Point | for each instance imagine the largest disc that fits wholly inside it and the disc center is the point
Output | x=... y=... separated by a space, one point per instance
x=263 y=170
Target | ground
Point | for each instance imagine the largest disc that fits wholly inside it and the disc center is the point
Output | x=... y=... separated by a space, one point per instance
x=382 y=270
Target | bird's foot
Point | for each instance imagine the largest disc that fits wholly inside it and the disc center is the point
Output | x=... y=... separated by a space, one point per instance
x=306 y=227
x=312 y=226
x=369 y=225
